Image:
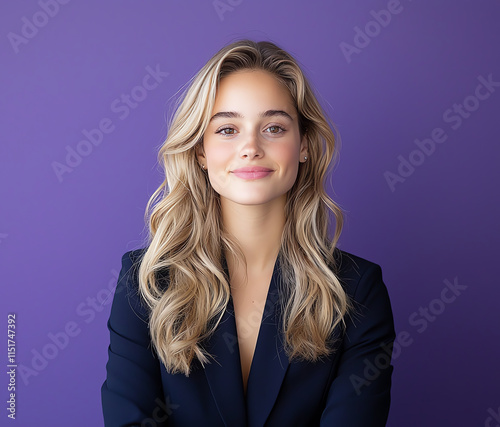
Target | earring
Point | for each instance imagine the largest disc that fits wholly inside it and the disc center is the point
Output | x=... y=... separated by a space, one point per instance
x=203 y=166
x=305 y=158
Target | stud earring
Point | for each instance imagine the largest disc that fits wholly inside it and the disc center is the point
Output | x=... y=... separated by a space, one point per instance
x=305 y=158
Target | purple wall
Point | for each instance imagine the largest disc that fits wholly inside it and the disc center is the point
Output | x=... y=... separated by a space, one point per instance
x=417 y=103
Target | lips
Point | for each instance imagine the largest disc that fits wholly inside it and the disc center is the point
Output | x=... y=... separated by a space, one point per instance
x=253 y=169
x=252 y=172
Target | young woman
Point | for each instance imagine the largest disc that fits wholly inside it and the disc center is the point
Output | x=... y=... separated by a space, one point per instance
x=241 y=310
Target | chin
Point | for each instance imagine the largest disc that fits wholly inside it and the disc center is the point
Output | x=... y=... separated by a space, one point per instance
x=252 y=199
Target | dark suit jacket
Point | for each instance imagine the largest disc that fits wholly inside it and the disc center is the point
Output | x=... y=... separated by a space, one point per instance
x=351 y=388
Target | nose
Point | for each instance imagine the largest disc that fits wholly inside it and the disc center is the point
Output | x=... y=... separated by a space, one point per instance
x=251 y=147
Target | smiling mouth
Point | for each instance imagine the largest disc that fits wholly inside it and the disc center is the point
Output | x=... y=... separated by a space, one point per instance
x=252 y=174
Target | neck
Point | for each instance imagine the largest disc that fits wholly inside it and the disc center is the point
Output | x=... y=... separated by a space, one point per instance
x=258 y=230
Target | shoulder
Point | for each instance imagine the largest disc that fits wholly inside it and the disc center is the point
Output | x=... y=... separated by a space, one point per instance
x=131 y=262
x=351 y=269
x=134 y=257
x=126 y=296
x=362 y=281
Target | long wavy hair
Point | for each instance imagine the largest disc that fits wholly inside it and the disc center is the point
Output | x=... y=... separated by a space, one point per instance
x=181 y=276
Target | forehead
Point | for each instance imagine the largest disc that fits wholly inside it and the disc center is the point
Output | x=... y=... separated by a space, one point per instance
x=252 y=87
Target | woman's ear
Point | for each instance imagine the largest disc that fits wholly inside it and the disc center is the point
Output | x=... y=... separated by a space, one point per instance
x=200 y=153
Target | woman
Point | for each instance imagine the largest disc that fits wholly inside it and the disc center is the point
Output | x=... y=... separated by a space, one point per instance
x=240 y=310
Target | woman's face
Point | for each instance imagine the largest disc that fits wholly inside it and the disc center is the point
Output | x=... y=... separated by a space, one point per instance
x=254 y=124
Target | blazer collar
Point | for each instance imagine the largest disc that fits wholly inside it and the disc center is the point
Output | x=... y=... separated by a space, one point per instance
x=269 y=363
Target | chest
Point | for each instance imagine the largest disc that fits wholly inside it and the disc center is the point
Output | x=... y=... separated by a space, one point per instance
x=249 y=301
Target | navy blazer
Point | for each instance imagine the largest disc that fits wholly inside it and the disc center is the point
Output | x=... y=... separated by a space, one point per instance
x=351 y=388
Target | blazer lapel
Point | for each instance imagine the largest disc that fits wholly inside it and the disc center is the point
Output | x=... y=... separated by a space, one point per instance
x=224 y=373
x=270 y=362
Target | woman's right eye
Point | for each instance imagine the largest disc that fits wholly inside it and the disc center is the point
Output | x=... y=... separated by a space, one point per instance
x=222 y=131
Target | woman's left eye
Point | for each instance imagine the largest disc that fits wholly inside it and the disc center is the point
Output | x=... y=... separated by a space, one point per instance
x=276 y=129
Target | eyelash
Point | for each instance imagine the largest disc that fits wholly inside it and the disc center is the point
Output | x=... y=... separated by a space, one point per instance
x=282 y=129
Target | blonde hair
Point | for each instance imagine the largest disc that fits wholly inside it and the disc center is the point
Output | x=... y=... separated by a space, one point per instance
x=181 y=276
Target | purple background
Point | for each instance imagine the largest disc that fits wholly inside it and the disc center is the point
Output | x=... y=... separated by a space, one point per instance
x=61 y=240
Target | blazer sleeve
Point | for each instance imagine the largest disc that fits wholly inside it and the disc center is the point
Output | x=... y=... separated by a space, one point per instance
x=132 y=391
x=359 y=395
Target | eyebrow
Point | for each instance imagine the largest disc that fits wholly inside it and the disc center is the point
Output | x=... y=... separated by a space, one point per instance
x=234 y=114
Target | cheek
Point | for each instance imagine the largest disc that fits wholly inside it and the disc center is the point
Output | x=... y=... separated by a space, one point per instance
x=219 y=154
x=218 y=161
x=288 y=158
